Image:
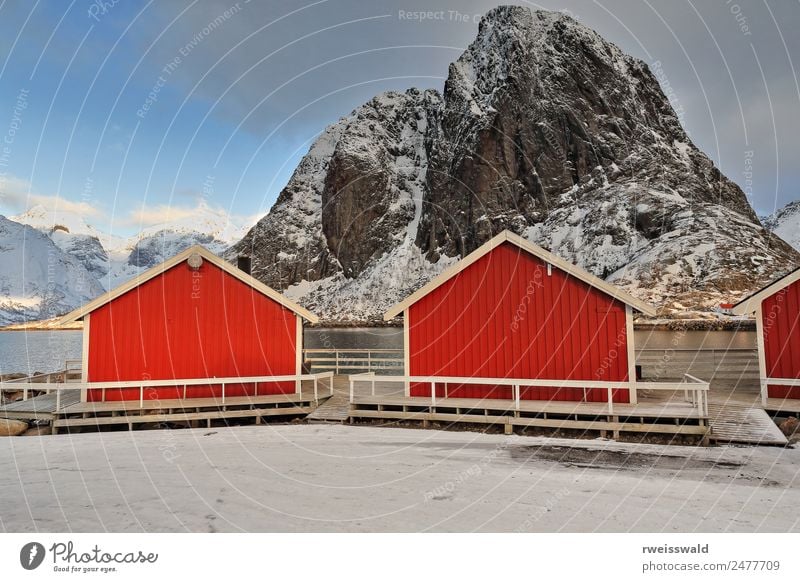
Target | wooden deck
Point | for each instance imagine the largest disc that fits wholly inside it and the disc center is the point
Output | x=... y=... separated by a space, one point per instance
x=39 y=407
x=658 y=416
x=783 y=406
x=732 y=422
x=74 y=413
x=189 y=411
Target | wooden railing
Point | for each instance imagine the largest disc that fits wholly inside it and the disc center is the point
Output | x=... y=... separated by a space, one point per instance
x=765 y=382
x=370 y=360
x=695 y=390
x=73 y=365
x=184 y=382
x=724 y=366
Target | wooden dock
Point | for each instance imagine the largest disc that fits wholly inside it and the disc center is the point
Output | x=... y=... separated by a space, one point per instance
x=376 y=397
x=63 y=409
x=190 y=411
x=42 y=407
x=337 y=408
x=783 y=406
x=733 y=422
x=657 y=417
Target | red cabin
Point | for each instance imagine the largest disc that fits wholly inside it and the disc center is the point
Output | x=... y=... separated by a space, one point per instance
x=194 y=316
x=777 y=311
x=511 y=309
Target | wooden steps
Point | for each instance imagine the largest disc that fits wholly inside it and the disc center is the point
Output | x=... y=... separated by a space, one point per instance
x=740 y=423
x=335 y=409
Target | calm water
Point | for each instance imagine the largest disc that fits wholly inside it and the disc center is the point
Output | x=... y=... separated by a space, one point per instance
x=354 y=338
x=38 y=351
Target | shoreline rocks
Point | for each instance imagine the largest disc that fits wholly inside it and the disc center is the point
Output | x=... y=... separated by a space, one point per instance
x=9 y=427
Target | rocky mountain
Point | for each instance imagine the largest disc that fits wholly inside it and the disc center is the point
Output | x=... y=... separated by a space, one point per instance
x=38 y=280
x=98 y=260
x=786 y=223
x=543 y=128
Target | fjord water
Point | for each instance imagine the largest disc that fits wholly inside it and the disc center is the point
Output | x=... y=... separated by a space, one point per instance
x=38 y=351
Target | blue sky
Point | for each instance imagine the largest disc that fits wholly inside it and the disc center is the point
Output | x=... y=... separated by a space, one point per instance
x=130 y=112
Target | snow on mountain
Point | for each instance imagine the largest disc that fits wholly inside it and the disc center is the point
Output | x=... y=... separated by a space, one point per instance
x=38 y=280
x=104 y=261
x=207 y=226
x=786 y=223
x=544 y=128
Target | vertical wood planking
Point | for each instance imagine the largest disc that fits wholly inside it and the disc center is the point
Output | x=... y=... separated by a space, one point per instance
x=568 y=330
x=192 y=324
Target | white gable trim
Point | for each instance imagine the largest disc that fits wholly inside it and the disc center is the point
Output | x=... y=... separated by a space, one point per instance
x=752 y=303
x=537 y=251
x=153 y=272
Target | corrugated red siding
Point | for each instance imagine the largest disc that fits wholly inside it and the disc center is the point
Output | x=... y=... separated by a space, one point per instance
x=191 y=324
x=505 y=317
x=781 y=320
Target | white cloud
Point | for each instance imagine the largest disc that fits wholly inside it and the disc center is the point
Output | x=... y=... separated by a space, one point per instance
x=158 y=214
x=17 y=195
x=213 y=218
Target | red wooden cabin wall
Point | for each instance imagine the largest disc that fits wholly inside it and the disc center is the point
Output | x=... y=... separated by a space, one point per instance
x=504 y=316
x=780 y=316
x=191 y=324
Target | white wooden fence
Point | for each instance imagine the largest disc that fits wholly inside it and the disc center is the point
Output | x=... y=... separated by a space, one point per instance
x=695 y=390
x=790 y=382
x=336 y=360
x=184 y=382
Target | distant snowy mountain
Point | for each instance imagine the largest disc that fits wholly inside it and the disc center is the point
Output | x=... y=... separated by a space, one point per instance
x=38 y=280
x=90 y=261
x=210 y=227
x=786 y=223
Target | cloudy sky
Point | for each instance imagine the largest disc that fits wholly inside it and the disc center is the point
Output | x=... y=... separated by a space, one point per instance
x=132 y=112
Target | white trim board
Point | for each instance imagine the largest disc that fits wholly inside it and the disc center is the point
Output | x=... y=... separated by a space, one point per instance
x=153 y=272
x=87 y=322
x=298 y=350
x=631 y=355
x=535 y=250
x=753 y=302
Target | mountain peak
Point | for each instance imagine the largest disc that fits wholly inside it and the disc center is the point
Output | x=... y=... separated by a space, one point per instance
x=785 y=223
x=48 y=220
x=545 y=129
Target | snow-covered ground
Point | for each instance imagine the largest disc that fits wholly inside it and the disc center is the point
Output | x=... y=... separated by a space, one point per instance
x=359 y=478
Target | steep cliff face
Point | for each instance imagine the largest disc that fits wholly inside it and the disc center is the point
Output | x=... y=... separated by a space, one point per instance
x=544 y=128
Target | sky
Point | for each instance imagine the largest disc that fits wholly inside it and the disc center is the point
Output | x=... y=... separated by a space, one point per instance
x=135 y=113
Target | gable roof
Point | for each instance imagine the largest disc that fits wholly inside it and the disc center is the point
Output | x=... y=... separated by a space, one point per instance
x=177 y=259
x=750 y=303
x=535 y=250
